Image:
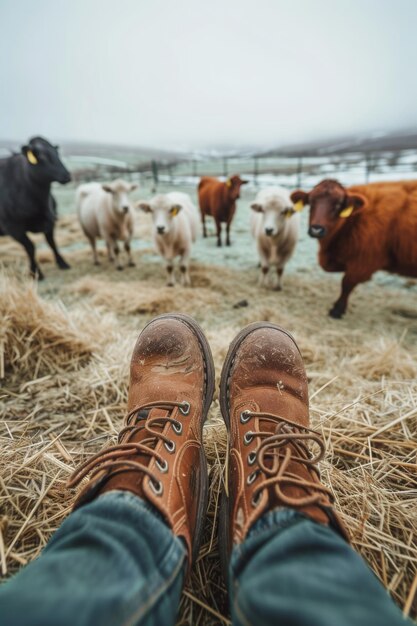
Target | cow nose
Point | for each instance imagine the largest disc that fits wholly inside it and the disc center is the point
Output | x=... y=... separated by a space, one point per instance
x=125 y=209
x=316 y=231
x=269 y=231
x=160 y=229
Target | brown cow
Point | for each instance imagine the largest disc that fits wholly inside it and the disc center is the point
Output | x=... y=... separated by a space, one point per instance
x=363 y=229
x=219 y=200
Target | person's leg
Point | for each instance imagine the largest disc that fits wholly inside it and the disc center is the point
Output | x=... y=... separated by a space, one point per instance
x=291 y=563
x=119 y=558
x=112 y=562
x=293 y=571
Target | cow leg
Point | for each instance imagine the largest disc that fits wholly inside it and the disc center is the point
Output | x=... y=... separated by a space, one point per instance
x=109 y=245
x=184 y=268
x=278 y=285
x=349 y=282
x=170 y=273
x=116 y=249
x=130 y=261
x=219 y=233
x=92 y=241
x=24 y=240
x=63 y=265
x=203 y=221
x=228 y=243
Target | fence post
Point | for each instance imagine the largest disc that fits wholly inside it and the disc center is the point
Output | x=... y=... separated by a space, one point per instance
x=154 y=166
x=225 y=167
x=367 y=168
x=194 y=167
x=299 y=171
x=255 y=170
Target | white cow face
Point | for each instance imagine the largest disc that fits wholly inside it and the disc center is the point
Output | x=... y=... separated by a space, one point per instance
x=163 y=213
x=274 y=213
x=119 y=190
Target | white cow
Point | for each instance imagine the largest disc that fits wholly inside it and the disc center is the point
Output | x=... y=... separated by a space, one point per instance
x=175 y=226
x=274 y=225
x=104 y=212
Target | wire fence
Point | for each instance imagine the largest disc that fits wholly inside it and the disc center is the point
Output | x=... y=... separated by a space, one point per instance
x=288 y=171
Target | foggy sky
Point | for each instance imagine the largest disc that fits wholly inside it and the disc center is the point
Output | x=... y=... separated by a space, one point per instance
x=187 y=73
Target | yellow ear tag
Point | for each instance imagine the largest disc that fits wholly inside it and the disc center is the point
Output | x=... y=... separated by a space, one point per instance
x=174 y=211
x=31 y=157
x=346 y=212
x=299 y=206
x=228 y=183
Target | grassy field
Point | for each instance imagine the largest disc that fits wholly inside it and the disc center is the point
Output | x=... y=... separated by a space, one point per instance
x=65 y=346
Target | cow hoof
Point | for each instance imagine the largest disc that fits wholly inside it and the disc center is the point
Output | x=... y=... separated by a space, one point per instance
x=96 y=263
x=132 y=264
x=37 y=275
x=63 y=265
x=119 y=268
x=336 y=314
x=277 y=288
x=219 y=244
x=228 y=243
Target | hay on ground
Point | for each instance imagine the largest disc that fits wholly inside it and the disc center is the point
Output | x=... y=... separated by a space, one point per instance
x=64 y=390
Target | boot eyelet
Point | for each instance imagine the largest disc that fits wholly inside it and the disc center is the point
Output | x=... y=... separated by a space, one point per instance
x=170 y=446
x=245 y=416
x=252 y=477
x=156 y=486
x=256 y=498
x=177 y=428
x=163 y=467
x=251 y=458
x=185 y=408
x=247 y=438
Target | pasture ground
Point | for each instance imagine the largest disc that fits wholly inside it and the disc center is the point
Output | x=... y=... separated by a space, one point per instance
x=65 y=346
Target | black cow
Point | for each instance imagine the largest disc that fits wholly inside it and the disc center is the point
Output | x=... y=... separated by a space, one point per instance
x=26 y=202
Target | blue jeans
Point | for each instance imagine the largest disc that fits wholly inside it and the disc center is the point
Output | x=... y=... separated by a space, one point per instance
x=114 y=562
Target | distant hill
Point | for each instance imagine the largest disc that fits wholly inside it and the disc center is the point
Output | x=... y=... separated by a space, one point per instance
x=405 y=139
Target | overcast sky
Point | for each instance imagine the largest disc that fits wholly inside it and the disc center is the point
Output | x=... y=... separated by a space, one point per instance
x=187 y=73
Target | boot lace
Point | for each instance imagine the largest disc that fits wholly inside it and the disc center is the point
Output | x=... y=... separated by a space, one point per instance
x=289 y=444
x=115 y=459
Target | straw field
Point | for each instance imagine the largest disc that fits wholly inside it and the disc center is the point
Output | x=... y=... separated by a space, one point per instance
x=65 y=347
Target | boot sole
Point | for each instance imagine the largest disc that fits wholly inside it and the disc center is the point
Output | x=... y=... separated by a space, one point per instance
x=225 y=548
x=208 y=397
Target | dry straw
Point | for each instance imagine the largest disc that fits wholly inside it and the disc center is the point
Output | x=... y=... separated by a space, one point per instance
x=64 y=369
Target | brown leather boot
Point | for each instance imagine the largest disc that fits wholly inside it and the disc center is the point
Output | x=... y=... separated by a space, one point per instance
x=160 y=455
x=264 y=402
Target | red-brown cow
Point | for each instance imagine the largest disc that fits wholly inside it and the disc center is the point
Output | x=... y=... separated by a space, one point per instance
x=219 y=200
x=363 y=229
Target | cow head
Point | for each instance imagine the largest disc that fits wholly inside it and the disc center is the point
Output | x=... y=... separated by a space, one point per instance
x=275 y=208
x=330 y=205
x=163 y=212
x=44 y=163
x=119 y=190
x=233 y=185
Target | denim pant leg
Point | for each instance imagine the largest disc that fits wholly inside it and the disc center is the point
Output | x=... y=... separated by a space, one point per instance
x=113 y=562
x=295 y=572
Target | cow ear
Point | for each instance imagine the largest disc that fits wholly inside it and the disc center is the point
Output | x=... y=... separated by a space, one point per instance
x=255 y=206
x=352 y=201
x=30 y=155
x=143 y=206
x=244 y=182
x=356 y=200
x=300 y=199
x=107 y=188
x=175 y=209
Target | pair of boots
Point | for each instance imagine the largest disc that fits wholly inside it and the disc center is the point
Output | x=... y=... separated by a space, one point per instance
x=264 y=402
